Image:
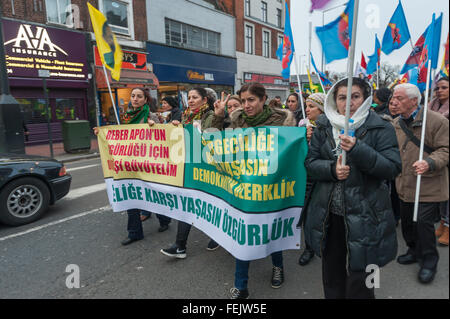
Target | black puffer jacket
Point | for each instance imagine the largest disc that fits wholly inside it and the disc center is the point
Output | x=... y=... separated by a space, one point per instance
x=369 y=220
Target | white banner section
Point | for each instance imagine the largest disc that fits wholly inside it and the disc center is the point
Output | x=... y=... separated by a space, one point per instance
x=247 y=236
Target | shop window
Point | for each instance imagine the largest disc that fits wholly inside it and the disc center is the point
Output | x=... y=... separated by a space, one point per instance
x=119 y=15
x=34 y=110
x=65 y=109
x=58 y=11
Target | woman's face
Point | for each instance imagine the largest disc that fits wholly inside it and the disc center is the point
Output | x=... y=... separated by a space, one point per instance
x=195 y=100
x=252 y=104
x=138 y=98
x=442 y=90
x=356 y=101
x=165 y=106
x=312 y=111
x=233 y=105
x=393 y=108
x=292 y=103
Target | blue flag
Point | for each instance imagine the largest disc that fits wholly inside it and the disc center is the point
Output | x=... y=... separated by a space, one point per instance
x=427 y=54
x=286 y=49
x=436 y=41
x=335 y=37
x=374 y=59
x=397 y=32
x=323 y=77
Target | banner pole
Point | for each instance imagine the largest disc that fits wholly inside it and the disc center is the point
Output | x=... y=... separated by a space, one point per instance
x=110 y=94
x=299 y=86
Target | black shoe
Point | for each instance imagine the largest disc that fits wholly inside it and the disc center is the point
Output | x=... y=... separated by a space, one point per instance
x=163 y=228
x=426 y=275
x=212 y=245
x=407 y=259
x=174 y=251
x=306 y=257
x=128 y=241
x=277 y=277
x=239 y=294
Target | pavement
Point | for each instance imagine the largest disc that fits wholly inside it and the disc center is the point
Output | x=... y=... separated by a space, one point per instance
x=61 y=155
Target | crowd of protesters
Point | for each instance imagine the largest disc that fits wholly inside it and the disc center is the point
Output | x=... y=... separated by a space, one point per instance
x=351 y=209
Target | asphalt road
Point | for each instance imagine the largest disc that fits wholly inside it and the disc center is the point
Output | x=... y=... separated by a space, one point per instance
x=82 y=230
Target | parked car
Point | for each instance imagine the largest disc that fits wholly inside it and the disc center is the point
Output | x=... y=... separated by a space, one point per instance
x=28 y=185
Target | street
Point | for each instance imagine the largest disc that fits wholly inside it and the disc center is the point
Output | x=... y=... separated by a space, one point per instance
x=82 y=230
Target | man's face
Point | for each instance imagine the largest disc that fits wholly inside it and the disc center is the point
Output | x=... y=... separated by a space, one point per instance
x=403 y=103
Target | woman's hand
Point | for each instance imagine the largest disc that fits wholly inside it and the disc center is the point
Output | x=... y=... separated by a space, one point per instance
x=96 y=130
x=176 y=123
x=309 y=132
x=342 y=171
x=347 y=142
x=219 y=105
x=150 y=122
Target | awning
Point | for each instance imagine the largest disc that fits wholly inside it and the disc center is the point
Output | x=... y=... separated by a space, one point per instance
x=128 y=79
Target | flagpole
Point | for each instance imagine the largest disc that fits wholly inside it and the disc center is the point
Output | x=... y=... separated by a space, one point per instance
x=299 y=87
x=110 y=94
x=351 y=59
x=422 y=142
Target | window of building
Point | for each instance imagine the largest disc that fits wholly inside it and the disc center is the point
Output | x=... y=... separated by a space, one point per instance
x=119 y=15
x=248 y=39
x=187 y=36
x=266 y=44
x=58 y=11
x=247 y=8
x=280 y=40
x=264 y=11
x=279 y=18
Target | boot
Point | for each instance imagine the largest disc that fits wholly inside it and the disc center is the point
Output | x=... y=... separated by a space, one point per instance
x=443 y=240
x=440 y=229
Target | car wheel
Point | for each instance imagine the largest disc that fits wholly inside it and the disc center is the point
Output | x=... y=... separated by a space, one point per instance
x=23 y=201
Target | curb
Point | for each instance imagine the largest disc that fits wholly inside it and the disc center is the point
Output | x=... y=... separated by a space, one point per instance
x=74 y=158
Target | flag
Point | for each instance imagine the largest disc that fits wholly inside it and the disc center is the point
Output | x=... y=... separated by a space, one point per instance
x=374 y=59
x=415 y=54
x=410 y=76
x=335 y=36
x=318 y=4
x=444 y=65
x=286 y=50
x=427 y=54
x=322 y=76
x=314 y=88
x=397 y=32
x=108 y=47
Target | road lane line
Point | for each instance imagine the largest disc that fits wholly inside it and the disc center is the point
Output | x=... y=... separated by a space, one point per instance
x=82 y=167
x=82 y=191
x=97 y=210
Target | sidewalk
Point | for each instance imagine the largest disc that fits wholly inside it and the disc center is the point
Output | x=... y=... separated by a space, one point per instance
x=61 y=155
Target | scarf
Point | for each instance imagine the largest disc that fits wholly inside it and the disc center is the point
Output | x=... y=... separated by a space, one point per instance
x=136 y=115
x=190 y=116
x=260 y=118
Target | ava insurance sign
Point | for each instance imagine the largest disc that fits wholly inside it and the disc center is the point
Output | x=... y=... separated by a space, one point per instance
x=30 y=48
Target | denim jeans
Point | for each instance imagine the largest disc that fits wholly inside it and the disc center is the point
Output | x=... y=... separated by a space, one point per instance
x=242 y=266
x=134 y=227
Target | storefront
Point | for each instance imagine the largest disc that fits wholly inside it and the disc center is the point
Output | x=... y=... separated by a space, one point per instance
x=179 y=70
x=32 y=47
x=274 y=85
x=134 y=74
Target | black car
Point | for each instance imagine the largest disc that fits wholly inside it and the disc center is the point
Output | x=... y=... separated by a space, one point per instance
x=28 y=185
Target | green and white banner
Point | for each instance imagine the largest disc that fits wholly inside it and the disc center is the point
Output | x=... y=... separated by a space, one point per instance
x=244 y=188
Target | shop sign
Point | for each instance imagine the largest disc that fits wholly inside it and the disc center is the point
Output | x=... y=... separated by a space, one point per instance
x=131 y=60
x=30 y=48
x=193 y=75
x=265 y=79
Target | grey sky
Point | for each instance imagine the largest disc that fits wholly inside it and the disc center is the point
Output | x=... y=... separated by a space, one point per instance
x=418 y=14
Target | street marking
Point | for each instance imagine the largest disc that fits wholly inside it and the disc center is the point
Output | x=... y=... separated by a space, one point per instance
x=97 y=210
x=82 y=191
x=82 y=167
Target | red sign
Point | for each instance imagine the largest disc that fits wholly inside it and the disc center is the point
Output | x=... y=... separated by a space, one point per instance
x=265 y=79
x=131 y=60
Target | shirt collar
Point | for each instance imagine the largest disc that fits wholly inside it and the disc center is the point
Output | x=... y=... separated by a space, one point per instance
x=413 y=115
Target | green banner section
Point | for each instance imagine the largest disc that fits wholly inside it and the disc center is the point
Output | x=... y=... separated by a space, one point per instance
x=255 y=169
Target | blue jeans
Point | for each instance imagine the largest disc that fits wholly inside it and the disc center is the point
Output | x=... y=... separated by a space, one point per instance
x=241 y=274
x=134 y=226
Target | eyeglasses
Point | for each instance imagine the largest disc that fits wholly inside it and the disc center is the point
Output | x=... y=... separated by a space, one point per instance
x=441 y=88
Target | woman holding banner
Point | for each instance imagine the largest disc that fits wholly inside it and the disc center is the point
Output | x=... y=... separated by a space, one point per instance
x=254 y=113
x=350 y=221
x=138 y=113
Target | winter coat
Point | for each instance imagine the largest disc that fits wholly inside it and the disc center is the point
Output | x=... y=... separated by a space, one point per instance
x=434 y=183
x=279 y=117
x=368 y=217
x=206 y=119
x=435 y=105
x=176 y=114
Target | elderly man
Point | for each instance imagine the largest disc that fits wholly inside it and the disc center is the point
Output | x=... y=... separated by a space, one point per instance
x=434 y=189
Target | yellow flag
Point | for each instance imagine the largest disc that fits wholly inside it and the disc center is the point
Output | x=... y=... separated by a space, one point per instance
x=314 y=88
x=108 y=47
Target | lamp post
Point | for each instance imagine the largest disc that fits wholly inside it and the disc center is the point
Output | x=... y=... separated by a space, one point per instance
x=11 y=119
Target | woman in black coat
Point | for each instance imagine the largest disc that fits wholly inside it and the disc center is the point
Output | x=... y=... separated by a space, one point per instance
x=350 y=222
